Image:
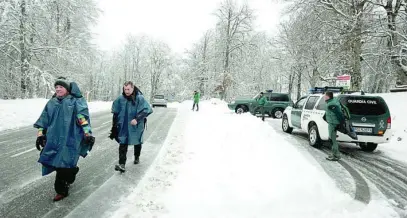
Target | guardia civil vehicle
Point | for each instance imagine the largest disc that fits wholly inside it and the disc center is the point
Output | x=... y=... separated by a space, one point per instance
x=274 y=107
x=369 y=115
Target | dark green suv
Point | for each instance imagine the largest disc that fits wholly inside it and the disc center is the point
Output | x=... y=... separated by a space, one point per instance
x=274 y=107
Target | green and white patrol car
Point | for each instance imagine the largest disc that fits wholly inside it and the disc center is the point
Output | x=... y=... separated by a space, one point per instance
x=370 y=117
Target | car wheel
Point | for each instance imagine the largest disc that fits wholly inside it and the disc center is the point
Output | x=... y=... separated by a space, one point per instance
x=313 y=136
x=241 y=109
x=277 y=113
x=285 y=125
x=368 y=147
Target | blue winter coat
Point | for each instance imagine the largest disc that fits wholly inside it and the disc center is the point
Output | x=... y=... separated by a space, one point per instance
x=126 y=110
x=64 y=135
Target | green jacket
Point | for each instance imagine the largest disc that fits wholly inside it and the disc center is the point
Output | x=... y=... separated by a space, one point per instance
x=197 y=96
x=262 y=101
x=333 y=112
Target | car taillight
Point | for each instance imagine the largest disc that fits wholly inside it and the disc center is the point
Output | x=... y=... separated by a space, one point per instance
x=389 y=123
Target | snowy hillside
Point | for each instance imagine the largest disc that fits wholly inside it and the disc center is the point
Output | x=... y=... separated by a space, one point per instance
x=219 y=164
x=19 y=113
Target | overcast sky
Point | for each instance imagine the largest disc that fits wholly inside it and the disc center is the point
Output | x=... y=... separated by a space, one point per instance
x=177 y=22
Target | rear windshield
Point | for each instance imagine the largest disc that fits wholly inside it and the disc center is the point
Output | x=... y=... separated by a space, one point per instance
x=359 y=105
x=159 y=96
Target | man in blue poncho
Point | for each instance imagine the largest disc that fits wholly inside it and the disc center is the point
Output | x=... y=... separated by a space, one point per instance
x=64 y=134
x=130 y=111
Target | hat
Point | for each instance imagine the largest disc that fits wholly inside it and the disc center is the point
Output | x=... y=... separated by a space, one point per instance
x=62 y=81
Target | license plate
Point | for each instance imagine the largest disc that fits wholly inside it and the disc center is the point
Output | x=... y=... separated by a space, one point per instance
x=360 y=129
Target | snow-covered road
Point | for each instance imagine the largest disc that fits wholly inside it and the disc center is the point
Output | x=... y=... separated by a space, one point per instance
x=24 y=193
x=373 y=173
x=219 y=164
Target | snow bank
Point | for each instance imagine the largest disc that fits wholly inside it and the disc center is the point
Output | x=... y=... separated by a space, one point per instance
x=397 y=148
x=24 y=112
x=218 y=164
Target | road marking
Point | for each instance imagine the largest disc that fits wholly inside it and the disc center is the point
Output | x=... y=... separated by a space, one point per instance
x=21 y=153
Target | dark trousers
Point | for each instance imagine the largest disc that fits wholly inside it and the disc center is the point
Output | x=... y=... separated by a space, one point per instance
x=64 y=177
x=123 y=152
x=261 y=109
x=197 y=106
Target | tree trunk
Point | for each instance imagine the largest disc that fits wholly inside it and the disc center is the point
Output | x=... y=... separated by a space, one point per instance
x=299 y=85
x=356 y=83
x=24 y=65
x=290 y=83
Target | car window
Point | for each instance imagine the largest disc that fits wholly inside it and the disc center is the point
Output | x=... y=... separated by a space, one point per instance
x=311 y=102
x=364 y=105
x=277 y=97
x=300 y=103
x=321 y=104
x=159 y=96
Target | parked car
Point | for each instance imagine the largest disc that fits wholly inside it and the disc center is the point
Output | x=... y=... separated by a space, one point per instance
x=159 y=101
x=274 y=107
x=370 y=117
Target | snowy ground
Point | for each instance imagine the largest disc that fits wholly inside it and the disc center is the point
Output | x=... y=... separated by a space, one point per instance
x=18 y=113
x=397 y=148
x=218 y=164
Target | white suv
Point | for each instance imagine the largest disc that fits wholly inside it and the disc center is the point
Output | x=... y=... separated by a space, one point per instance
x=159 y=101
x=370 y=118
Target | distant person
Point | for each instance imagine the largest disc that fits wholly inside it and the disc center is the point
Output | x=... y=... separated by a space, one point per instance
x=130 y=111
x=197 y=97
x=261 y=101
x=64 y=134
x=335 y=119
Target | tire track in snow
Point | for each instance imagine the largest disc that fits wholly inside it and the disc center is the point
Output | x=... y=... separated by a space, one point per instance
x=378 y=169
x=387 y=174
x=358 y=188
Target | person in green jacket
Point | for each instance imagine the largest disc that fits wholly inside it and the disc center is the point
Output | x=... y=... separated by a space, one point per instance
x=197 y=96
x=261 y=101
x=334 y=117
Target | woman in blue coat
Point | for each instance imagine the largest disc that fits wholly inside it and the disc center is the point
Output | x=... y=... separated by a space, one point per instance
x=64 y=134
x=130 y=111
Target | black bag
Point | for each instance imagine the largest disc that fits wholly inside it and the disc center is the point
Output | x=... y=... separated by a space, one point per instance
x=346 y=126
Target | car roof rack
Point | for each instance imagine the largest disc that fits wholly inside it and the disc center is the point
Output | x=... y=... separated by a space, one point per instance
x=333 y=89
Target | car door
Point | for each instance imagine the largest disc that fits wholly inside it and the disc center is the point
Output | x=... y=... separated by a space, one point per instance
x=269 y=103
x=308 y=111
x=297 y=111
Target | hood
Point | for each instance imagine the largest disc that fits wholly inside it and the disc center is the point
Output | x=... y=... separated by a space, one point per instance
x=75 y=91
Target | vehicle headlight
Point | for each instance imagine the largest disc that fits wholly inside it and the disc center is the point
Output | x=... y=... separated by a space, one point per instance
x=232 y=102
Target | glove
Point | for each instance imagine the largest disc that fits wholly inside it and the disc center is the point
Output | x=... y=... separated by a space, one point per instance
x=113 y=133
x=41 y=141
x=89 y=140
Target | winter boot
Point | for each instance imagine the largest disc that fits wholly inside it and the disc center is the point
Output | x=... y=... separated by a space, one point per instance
x=59 y=197
x=333 y=158
x=136 y=160
x=120 y=168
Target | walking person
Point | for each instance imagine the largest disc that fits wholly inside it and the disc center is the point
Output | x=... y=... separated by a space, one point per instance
x=261 y=101
x=130 y=111
x=335 y=119
x=197 y=97
x=64 y=134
